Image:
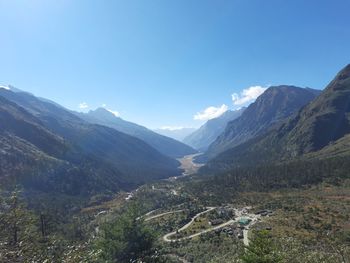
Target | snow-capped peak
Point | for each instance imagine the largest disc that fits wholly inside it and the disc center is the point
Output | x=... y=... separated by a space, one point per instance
x=5 y=87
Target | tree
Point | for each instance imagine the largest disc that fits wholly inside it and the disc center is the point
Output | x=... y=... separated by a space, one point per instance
x=127 y=239
x=18 y=229
x=261 y=249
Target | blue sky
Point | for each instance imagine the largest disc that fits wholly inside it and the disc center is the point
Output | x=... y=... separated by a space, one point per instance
x=159 y=63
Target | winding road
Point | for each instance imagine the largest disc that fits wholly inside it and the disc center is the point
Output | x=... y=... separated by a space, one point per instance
x=163 y=214
x=166 y=237
x=239 y=214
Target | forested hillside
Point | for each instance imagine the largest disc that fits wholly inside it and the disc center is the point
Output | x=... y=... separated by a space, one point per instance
x=47 y=148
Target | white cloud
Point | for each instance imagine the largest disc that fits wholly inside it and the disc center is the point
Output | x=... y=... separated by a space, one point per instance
x=210 y=113
x=83 y=106
x=116 y=113
x=247 y=95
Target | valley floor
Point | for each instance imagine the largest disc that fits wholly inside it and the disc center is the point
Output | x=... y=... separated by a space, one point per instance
x=196 y=223
x=192 y=223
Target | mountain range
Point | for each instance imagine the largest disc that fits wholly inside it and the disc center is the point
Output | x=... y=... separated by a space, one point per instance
x=274 y=105
x=163 y=144
x=318 y=130
x=208 y=132
x=47 y=148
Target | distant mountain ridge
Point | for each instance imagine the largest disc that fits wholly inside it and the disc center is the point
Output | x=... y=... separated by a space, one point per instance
x=275 y=104
x=208 y=132
x=163 y=144
x=49 y=148
x=178 y=134
x=319 y=130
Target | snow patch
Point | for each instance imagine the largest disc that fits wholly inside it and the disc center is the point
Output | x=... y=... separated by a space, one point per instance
x=5 y=87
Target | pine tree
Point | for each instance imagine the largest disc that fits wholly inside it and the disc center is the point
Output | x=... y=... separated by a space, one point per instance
x=18 y=229
x=126 y=239
x=261 y=249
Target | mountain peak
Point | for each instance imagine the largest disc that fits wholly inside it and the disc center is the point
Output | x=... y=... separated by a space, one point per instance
x=103 y=113
x=275 y=104
x=10 y=88
x=101 y=110
x=6 y=87
x=164 y=145
x=285 y=88
x=323 y=122
x=344 y=73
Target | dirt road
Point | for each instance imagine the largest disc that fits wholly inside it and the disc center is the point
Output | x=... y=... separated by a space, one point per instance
x=166 y=237
x=239 y=214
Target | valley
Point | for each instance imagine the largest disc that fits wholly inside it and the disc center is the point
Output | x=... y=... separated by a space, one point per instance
x=188 y=165
x=175 y=131
x=268 y=186
x=191 y=168
x=183 y=219
x=304 y=214
x=239 y=215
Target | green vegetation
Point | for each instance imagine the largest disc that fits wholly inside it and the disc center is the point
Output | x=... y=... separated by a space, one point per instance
x=210 y=247
x=296 y=174
x=261 y=249
x=297 y=198
x=307 y=223
x=126 y=239
x=47 y=149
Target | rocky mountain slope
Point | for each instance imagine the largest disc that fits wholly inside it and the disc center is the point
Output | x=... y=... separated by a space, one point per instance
x=319 y=130
x=274 y=105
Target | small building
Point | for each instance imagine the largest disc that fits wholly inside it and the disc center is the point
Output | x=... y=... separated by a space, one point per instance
x=244 y=221
x=226 y=229
x=264 y=212
x=216 y=222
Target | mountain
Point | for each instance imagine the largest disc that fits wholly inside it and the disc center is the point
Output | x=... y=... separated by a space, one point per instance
x=274 y=105
x=30 y=153
x=319 y=130
x=325 y=120
x=207 y=133
x=20 y=123
x=9 y=87
x=68 y=154
x=163 y=144
x=178 y=134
